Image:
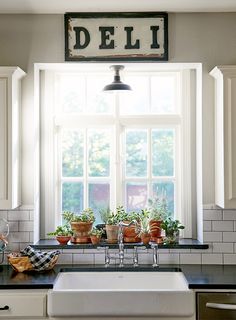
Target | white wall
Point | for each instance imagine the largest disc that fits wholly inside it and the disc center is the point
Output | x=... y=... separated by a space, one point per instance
x=206 y=38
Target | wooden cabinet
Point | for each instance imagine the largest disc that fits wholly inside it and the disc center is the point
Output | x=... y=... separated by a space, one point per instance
x=10 y=106
x=23 y=304
x=225 y=136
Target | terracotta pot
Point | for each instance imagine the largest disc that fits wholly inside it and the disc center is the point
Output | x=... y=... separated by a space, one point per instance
x=130 y=234
x=145 y=237
x=81 y=231
x=95 y=239
x=63 y=239
x=112 y=233
x=155 y=229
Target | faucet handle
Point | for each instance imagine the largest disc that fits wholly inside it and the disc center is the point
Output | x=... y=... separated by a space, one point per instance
x=154 y=245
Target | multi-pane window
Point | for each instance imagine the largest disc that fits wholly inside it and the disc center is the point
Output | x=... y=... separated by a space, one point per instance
x=115 y=149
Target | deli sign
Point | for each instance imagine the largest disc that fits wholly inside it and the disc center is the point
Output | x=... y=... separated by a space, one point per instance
x=116 y=36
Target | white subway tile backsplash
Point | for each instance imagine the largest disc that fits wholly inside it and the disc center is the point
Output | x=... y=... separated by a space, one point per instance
x=222 y=226
x=229 y=215
x=72 y=251
x=212 y=215
x=171 y=258
x=192 y=258
x=32 y=215
x=18 y=237
x=26 y=226
x=83 y=258
x=3 y=214
x=229 y=236
x=207 y=225
x=99 y=258
x=18 y=215
x=65 y=258
x=13 y=247
x=13 y=226
x=214 y=258
x=145 y=258
x=223 y=247
x=229 y=258
x=32 y=237
x=212 y=236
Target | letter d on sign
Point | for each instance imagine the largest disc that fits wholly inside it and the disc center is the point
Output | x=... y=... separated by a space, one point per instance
x=84 y=31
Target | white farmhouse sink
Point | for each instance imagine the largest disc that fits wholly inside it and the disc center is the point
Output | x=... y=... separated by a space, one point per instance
x=121 y=294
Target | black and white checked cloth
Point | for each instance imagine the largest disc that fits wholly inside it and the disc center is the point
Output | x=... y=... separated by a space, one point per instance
x=40 y=260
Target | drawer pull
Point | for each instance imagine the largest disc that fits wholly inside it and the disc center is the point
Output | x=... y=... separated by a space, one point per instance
x=222 y=306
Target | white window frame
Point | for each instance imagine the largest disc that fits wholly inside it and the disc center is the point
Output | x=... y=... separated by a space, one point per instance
x=45 y=161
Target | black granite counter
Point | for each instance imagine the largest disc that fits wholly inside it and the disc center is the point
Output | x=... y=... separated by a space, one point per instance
x=198 y=276
x=182 y=244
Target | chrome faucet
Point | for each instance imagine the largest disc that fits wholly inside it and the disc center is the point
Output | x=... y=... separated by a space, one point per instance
x=121 y=240
x=154 y=247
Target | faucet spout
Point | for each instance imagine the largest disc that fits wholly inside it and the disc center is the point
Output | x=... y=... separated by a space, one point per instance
x=121 y=240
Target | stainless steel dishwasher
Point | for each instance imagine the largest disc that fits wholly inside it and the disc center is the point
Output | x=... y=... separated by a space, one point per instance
x=216 y=305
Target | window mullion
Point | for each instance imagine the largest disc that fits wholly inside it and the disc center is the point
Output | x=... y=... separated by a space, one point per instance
x=119 y=175
x=149 y=164
x=86 y=157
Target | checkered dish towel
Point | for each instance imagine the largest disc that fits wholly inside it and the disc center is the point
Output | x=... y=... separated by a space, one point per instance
x=40 y=260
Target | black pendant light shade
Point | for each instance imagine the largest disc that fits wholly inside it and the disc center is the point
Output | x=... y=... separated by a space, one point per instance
x=117 y=84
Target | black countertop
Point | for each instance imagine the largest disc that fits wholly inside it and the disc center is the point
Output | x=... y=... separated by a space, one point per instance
x=198 y=276
x=182 y=244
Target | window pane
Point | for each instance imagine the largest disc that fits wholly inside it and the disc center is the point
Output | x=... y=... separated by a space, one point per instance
x=72 y=196
x=72 y=153
x=163 y=152
x=165 y=189
x=136 y=195
x=136 y=153
x=71 y=93
x=99 y=197
x=137 y=100
x=163 y=94
x=97 y=100
x=99 y=153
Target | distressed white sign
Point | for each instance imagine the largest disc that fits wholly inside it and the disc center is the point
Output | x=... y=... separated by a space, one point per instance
x=113 y=36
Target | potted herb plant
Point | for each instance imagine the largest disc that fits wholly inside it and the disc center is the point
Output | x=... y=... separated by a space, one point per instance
x=63 y=234
x=95 y=235
x=130 y=233
x=81 y=224
x=144 y=227
x=171 y=228
x=157 y=213
x=111 y=221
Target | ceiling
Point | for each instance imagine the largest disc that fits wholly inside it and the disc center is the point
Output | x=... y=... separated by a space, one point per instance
x=62 y=6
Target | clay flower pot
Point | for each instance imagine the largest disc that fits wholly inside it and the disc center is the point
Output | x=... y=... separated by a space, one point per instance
x=155 y=229
x=81 y=231
x=63 y=239
x=95 y=239
x=130 y=233
x=145 y=237
x=112 y=233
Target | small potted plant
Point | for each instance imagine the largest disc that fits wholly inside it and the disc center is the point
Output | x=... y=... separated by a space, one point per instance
x=130 y=232
x=63 y=234
x=157 y=213
x=81 y=224
x=171 y=228
x=95 y=235
x=111 y=221
x=144 y=227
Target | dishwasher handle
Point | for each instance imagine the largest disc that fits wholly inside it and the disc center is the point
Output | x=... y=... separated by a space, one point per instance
x=221 y=306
